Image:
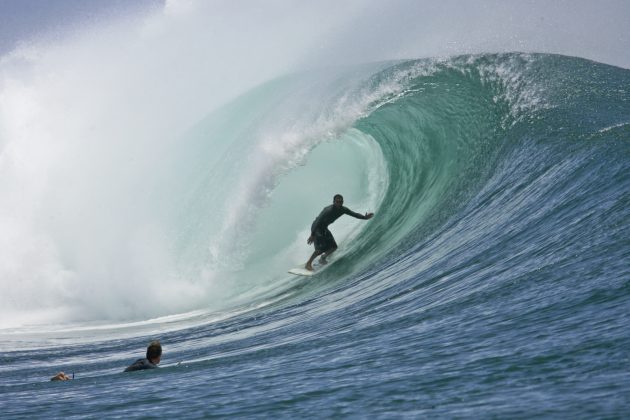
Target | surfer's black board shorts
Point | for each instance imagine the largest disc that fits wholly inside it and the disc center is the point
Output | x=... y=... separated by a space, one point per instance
x=324 y=240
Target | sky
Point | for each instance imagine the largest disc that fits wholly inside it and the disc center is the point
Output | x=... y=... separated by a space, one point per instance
x=24 y=19
x=372 y=30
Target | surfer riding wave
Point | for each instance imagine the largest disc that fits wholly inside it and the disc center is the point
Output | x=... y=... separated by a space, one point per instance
x=324 y=241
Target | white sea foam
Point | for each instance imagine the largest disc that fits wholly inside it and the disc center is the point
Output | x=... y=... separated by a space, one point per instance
x=87 y=125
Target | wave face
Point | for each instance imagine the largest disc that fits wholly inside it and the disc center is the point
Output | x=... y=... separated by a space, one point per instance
x=493 y=280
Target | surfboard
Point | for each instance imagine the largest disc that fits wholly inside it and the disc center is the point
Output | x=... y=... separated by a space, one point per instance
x=301 y=271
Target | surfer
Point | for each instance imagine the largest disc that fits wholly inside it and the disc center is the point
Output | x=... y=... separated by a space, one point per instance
x=154 y=354
x=324 y=241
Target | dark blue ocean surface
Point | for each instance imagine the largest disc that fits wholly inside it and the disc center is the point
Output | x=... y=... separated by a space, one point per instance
x=494 y=280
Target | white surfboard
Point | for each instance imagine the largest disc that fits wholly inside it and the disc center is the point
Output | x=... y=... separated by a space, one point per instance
x=301 y=271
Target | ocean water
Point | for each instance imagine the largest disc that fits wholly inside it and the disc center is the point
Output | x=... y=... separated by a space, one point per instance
x=493 y=281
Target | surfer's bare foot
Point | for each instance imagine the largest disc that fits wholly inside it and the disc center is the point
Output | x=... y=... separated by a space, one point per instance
x=60 y=377
x=322 y=260
x=309 y=267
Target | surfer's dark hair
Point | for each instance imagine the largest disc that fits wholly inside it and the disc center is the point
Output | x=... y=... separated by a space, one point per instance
x=154 y=350
x=337 y=195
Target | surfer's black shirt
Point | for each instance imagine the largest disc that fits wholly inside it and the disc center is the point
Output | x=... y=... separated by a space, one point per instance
x=329 y=214
x=141 y=364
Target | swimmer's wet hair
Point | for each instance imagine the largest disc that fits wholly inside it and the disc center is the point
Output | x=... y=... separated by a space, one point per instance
x=154 y=350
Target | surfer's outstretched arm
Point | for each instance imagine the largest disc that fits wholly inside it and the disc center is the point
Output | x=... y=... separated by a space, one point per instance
x=365 y=216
